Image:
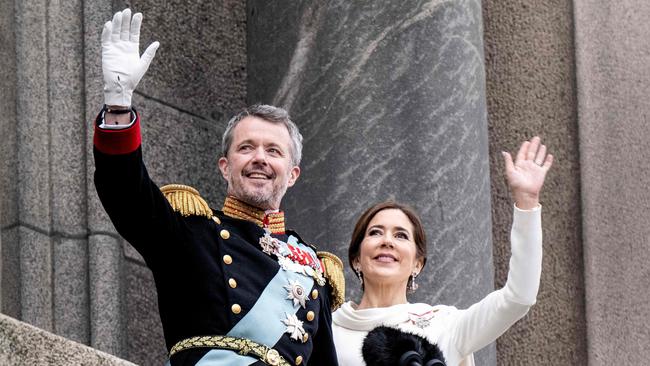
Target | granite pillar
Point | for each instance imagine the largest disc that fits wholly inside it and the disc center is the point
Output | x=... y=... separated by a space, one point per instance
x=33 y=163
x=390 y=98
x=9 y=273
x=530 y=73
x=68 y=170
x=612 y=57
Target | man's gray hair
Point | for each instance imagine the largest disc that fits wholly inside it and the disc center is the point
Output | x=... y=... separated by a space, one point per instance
x=271 y=114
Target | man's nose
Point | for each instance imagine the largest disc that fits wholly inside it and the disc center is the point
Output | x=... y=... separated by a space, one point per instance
x=259 y=156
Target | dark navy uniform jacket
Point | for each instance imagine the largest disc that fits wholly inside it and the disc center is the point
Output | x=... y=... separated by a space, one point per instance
x=209 y=273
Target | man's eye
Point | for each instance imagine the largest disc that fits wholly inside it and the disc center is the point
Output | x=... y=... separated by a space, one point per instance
x=245 y=148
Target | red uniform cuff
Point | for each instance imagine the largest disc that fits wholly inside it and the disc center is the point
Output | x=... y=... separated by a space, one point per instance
x=117 y=142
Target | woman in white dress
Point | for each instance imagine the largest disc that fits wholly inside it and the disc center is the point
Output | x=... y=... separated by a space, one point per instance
x=388 y=251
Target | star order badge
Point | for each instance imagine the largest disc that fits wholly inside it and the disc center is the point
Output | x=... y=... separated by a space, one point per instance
x=297 y=293
x=269 y=244
x=294 y=328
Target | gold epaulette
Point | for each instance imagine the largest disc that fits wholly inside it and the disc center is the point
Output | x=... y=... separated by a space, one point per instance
x=186 y=200
x=335 y=277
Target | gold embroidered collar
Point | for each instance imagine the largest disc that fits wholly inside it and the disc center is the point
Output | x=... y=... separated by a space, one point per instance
x=273 y=221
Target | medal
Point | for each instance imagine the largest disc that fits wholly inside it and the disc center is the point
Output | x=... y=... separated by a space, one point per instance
x=296 y=293
x=269 y=244
x=294 y=328
x=421 y=320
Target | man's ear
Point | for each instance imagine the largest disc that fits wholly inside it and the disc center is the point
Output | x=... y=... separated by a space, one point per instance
x=293 y=176
x=223 y=167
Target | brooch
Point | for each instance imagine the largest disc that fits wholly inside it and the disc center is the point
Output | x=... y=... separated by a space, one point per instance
x=421 y=320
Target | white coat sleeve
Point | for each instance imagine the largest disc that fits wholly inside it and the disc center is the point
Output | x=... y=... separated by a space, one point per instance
x=483 y=322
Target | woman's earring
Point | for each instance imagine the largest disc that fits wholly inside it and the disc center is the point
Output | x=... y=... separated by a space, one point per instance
x=358 y=272
x=412 y=286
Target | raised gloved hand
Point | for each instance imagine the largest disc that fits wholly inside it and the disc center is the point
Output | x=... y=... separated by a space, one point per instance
x=121 y=62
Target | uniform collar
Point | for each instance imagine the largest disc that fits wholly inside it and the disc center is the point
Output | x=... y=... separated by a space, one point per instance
x=273 y=221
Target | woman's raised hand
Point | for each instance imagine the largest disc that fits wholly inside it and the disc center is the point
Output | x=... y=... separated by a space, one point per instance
x=526 y=173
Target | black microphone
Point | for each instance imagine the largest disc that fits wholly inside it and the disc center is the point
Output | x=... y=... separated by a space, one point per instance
x=386 y=346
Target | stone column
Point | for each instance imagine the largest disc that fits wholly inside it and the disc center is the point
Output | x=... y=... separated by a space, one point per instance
x=43 y=223
x=9 y=262
x=530 y=70
x=34 y=225
x=612 y=58
x=390 y=98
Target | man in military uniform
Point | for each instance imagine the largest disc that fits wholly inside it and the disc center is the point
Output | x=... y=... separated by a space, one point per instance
x=234 y=286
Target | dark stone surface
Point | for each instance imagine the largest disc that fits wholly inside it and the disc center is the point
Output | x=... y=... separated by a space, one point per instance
x=200 y=67
x=35 y=278
x=9 y=260
x=107 y=310
x=32 y=115
x=181 y=148
x=612 y=53
x=68 y=129
x=11 y=276
x=8 y=147
x=23 y=344
x=71 y=295
x=530 y=69
x=147 y=344
x=390 y=98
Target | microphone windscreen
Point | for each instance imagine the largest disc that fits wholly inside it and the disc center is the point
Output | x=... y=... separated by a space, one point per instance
x=383 y=346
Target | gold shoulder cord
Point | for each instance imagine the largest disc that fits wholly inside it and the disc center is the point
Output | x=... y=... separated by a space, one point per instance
x=335 y=277
x=186 y=200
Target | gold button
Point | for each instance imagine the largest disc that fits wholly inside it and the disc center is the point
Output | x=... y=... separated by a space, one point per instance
x=314 y=294
x=235 y=308
x=216 y=219
x=227 y=259
x=305 y=337
x=310 y=316
x=224 y=234
x=298 y=360
x=232 y=283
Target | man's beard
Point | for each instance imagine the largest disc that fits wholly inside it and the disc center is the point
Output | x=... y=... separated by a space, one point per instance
x=260 y=198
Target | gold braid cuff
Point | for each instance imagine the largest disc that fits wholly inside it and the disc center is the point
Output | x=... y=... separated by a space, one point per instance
x=335 y=277
x=186 y=200
x=243 y=346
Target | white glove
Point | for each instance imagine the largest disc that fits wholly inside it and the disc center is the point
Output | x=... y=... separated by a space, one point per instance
x=121 y=62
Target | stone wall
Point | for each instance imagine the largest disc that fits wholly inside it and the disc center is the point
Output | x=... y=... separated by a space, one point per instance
x=530 y=58
x=613 y=82
x=24 y=344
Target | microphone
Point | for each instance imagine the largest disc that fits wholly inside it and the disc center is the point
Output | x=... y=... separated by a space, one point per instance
x=386 y=346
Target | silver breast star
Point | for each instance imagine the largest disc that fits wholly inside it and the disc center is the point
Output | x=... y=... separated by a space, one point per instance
x=297 y=293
